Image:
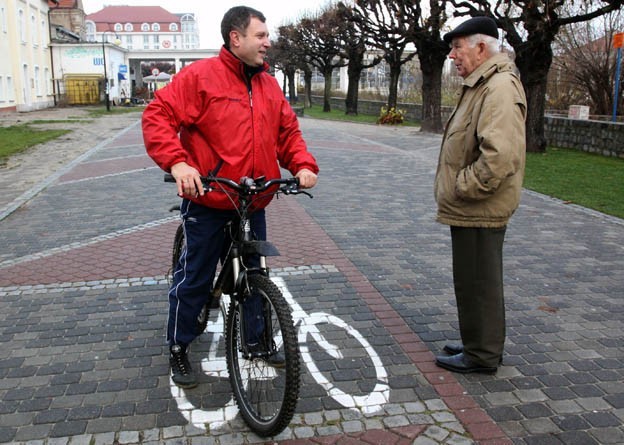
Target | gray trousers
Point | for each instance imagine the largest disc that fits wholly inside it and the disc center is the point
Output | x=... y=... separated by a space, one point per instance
x=478 y=281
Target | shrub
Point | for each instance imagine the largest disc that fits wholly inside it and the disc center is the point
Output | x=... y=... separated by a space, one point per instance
x=392 y=116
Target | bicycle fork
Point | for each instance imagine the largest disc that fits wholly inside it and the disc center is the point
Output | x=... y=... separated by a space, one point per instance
x=233 y=281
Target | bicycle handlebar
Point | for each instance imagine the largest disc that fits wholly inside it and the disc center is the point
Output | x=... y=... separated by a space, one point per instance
x=249 y=186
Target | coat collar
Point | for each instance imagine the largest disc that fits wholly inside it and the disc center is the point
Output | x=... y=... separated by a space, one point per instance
x=235 y=64
x=496 y=63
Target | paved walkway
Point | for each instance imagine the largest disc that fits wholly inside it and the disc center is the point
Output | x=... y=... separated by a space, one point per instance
x=82 y=307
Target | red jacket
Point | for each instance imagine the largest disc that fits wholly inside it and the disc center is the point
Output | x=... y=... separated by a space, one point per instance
x=218 y=119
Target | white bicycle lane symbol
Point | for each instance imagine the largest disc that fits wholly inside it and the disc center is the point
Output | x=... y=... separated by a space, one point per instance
x=214 y=365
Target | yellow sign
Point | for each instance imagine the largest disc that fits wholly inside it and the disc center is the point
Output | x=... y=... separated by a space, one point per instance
x=618 y=40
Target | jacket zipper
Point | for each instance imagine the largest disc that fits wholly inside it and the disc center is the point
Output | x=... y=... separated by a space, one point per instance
x=253 y=133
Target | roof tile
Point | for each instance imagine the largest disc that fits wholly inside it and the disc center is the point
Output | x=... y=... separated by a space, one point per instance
x=133 y=14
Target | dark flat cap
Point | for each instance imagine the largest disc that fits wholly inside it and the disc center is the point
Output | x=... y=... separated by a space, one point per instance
x=475 y=25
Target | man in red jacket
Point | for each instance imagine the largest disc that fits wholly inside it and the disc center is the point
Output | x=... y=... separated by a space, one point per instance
x=224 y=113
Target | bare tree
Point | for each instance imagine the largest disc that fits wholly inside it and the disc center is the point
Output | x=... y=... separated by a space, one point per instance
x=297 y=54
x=390 y=24
x=287 y=57
x=432 y=51
x=356 y=48
x=541 y=21
x=320 y=38
x=585 y=62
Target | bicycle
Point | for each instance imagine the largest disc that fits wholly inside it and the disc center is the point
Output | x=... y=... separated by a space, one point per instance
x=266 y=395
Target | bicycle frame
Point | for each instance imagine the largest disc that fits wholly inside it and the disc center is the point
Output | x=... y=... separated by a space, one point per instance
x=232 y=278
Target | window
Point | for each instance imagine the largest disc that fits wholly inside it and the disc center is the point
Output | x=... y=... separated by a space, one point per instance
x=173 y=27
x=10 y=96
x=156 y=41
x=33 y=30
x=117 y=27
x=90 y=31
x=155 y=27
x=188 y=23
x=44 y=33
x=145 y=41
x=4 y=19
x=145 y=27
x=129 y=42
x=128 y=27
x=37 y=81
x=21 y=22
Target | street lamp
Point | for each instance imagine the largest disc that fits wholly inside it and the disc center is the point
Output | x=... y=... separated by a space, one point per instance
x=106 y=85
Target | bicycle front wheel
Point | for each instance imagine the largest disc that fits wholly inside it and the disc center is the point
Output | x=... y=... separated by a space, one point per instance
x=266 y=387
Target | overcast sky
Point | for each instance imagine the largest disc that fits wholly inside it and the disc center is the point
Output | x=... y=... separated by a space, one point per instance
x=209 y=13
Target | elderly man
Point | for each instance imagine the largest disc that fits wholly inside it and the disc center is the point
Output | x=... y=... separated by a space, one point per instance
x=477 y=189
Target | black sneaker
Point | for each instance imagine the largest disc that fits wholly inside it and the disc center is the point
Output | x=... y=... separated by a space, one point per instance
x=181 y=372
x=258 y=351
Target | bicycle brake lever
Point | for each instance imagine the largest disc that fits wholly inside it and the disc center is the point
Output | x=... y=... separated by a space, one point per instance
x=296 y=191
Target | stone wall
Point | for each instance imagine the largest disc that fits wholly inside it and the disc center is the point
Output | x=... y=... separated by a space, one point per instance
x=605 y=138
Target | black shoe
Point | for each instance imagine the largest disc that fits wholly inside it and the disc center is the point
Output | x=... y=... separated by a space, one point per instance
x=274 y=359
x=181 y=372
x=453 y=348
x=458 y=348
x=462 y=364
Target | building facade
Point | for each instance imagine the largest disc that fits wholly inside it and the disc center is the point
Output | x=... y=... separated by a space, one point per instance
x=143 y=28
x=26 y=75
x=66 y=20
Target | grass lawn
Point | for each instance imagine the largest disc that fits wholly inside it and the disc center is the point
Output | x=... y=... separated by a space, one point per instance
x=17 y=138
x=586 y=179
x=20 y=137
x=338 y=115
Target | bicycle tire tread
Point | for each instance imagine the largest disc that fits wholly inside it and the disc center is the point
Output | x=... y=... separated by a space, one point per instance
x=292 y=367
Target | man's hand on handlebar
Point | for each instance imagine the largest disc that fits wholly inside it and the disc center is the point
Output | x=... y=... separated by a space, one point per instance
x=187 y=179
x=307 y=179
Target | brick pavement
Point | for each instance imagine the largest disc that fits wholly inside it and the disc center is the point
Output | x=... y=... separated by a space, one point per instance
x=83 y=279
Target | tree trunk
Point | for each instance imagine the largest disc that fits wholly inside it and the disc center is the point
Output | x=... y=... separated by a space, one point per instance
x=307 y=96
x=432 y=63
x=395 y=72
x=533 y=59
x=351 y=101
x=292 y=98
x=327 y=91
x=536 y=104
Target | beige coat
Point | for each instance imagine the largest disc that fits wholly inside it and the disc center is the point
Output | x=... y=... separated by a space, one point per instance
x=481 y=165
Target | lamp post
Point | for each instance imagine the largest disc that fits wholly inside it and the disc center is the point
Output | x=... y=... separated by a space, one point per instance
x=106 y=95
x=618 y=42
x=106 y=84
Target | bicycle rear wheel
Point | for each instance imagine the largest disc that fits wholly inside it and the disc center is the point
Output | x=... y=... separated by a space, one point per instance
x=266 y=396
x=178 y=245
